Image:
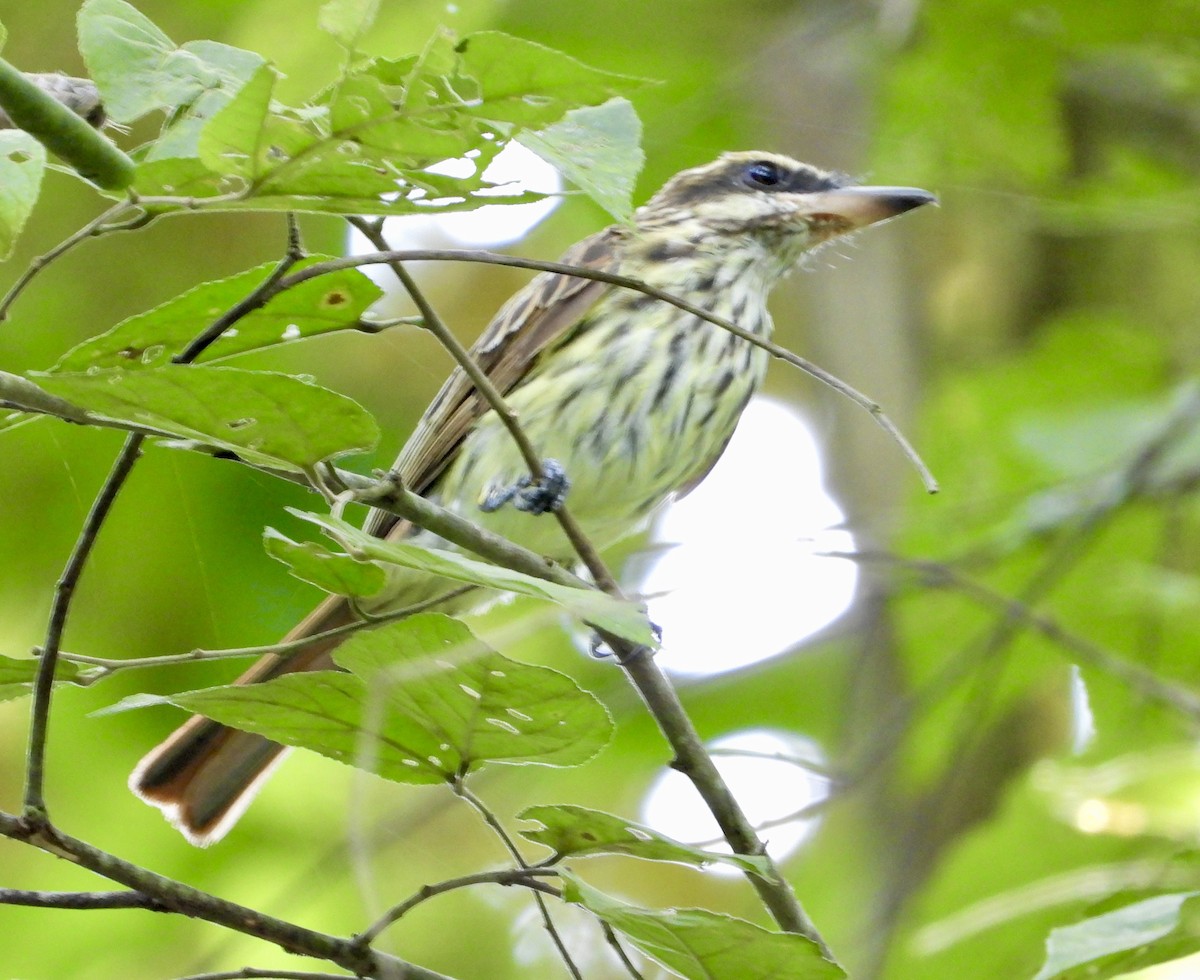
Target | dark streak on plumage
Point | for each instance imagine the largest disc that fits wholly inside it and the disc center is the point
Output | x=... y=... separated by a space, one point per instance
x=664 y=382
x=723 y=382
x=668 y=250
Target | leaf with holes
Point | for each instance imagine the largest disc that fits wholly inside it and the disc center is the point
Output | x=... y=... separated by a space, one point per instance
x=529 y=84
x=310 y=562
x=625 y=619
x=577 y=831
x=424 y=702
x=263 y=417
x=696 y=943
x=151 y=339
x=22 y=162
x=597 y=148
x=371 y=142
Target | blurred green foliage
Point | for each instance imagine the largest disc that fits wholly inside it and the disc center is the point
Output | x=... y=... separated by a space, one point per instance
x=1040 y=330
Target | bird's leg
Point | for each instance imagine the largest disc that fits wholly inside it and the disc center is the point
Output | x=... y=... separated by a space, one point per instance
x=534 y=496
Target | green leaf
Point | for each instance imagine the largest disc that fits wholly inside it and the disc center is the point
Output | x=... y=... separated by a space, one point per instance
x=22 y=163
x=310 y=562
x=527 y=83
x=262 y=416
x=704 y=945
x=151 y=339
x=17 y=676
x=124 y=51
x=180 y=177
x=368 y=143
x=348 y=20
x=599 y=150
x=576 y=831
x=232 y=141
x=626 y=619
x=139 y=69
x=424 y=702
x=1156 y=930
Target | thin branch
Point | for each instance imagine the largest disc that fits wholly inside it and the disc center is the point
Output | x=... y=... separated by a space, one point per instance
x=1140 y=679
x=693 y=761
x=94 y=228
x=493 y=822
x=43 y=684
x=627 y=282
x=105 y=666
x=522 y=876
x=256 y=299
x=250 y=973
x=610 y=937
x=186 y=900
x=85 y=901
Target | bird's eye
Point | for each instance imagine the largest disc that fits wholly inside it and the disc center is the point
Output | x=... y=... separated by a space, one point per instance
x=764 y=174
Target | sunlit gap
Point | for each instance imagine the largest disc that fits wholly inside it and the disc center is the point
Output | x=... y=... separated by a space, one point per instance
x=774 y=774
x=736 y=571
x=516 y=168
x=737 y=575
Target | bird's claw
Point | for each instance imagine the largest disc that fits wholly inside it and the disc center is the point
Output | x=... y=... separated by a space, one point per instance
x=533 y=496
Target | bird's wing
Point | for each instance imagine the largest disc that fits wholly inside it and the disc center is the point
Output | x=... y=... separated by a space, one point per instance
x=534 y=319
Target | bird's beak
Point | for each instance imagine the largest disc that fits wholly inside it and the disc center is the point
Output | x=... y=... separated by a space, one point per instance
x=849 y=208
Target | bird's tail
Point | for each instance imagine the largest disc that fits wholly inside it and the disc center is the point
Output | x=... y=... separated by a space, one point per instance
x=204 y=775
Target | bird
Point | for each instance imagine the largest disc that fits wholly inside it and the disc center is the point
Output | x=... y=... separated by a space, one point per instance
x=630 y=400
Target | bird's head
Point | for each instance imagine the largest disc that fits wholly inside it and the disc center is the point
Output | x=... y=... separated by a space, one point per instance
x=786 y=205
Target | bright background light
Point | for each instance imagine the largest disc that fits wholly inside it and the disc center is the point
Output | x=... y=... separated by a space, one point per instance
x=516 y=168
x=741 y=570
x=768 y=789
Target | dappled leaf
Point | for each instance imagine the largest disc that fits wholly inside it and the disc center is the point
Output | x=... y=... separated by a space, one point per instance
x=1156 y=930
x=151 y=339
x=577 y=831
x=696 y=943
x=626 y=619
x=310 y=562
x=599 y=149
x=424 y=702
x=139 y=69
x=262 y=416
x=528 y=83
x=372 y=141
x=22 y=162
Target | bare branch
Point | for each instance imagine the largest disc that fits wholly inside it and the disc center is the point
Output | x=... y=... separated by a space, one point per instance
x=85 y=901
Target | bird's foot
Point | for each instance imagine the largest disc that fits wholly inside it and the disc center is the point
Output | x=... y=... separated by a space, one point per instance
x=533 y=496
